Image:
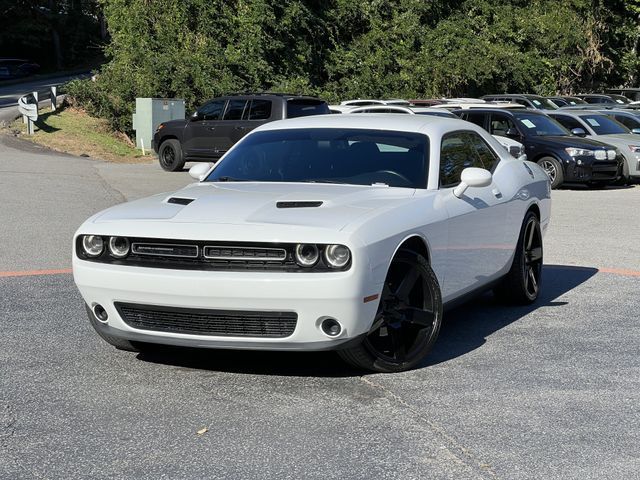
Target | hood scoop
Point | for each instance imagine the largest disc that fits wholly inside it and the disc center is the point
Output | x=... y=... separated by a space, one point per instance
x=299 y=204
x=180 y=201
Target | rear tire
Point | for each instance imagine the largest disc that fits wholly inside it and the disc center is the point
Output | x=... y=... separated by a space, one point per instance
x=408 y=319
x=170 y=155
x=553 y=169
x=522 y=284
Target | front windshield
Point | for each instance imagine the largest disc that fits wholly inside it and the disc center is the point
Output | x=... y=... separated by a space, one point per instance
x=603 y=125
x=328 y=155
x=540 y=125
x=543 y=103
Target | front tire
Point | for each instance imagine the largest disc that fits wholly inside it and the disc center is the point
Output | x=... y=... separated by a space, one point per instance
x=170 y=155
x=522 y=284
x=408 y=319
x=553 y=169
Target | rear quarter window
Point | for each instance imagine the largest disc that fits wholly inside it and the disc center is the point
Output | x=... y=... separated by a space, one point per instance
x=305 y=107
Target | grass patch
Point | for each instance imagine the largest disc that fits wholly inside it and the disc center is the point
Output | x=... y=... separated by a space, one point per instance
x=73 y=131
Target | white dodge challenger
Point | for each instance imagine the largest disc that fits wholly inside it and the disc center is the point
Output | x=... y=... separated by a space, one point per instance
x=334 y=232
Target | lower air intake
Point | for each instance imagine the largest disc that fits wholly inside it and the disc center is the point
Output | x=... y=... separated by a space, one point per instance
x=225 y=323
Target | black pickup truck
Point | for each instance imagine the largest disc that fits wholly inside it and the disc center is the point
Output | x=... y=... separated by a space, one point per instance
x=218 y=124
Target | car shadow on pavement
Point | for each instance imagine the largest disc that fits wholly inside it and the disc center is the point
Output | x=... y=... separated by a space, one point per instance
x=465 y=329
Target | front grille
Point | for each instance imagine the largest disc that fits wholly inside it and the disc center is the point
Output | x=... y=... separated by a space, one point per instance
x=205 y=255
x=224 y=323
x=244 y=253
x=165 y=250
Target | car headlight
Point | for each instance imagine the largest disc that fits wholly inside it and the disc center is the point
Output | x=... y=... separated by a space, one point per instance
x=92 y=245
x=612 y=154
x=119 y=247
x=307 y=254
x=160 y=127
x=337 y=256
x=579 y=152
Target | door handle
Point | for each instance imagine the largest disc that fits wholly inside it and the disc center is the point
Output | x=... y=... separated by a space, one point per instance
x=238 y=127
x=496 y=193
x=212 y=128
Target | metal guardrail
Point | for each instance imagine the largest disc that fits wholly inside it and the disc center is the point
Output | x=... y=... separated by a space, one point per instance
x=28 y=107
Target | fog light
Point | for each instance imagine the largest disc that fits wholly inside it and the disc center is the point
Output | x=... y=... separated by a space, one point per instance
x=331 y=327
x=119 y=247
x=100 y=313
x=92 y=245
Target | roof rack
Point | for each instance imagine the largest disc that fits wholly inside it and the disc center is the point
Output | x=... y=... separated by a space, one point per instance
x=276 y=94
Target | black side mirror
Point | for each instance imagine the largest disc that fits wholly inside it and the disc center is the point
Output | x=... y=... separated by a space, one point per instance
x=578 y=132
x=512 y=132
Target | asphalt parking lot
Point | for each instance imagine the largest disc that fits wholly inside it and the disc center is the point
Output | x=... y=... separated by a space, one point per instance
x=547 y=391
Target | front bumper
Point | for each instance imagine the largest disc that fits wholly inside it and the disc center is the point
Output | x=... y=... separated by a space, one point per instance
x=312 y=296
x=587 y=169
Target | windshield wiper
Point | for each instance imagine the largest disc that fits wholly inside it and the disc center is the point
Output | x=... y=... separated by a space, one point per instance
x=324 y=180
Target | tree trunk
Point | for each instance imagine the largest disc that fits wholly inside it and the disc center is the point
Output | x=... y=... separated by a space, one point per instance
x=55 y=37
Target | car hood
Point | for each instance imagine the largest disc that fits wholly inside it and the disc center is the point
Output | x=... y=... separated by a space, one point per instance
x=242 y=203
x=619 y=139
x=570 y=141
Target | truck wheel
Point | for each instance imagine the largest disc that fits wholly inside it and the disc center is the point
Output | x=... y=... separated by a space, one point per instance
x=170 y=155
x=408 y=318
x=553 y=169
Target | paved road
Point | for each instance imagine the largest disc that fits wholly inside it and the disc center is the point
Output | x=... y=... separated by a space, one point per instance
x=549 y=391
x=10 y=94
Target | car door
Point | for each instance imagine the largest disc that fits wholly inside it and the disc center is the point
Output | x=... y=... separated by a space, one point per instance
x=199 y=135
x=233 y=125
x=477 y=248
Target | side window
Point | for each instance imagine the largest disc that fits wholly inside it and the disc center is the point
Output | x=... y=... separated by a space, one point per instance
x=521 y=102
x=235 y=110
x=500 y=124
x=567 y=122
x=456 y=154
x=475 y=117
x=626 y=121
x=260 y=110
x=486 y=158
x=211 y=110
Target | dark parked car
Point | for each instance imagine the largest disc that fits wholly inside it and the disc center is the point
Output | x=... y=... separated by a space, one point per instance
x=565 y=158
x=567 y=101
x=528 y=100
x=597 y=98
x=16 y=67
x=218 y=124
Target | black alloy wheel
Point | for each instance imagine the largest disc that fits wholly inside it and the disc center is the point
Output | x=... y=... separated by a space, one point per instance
x=407 y=321
x=532 y=257
x=553 y=169
x=170 y=155
x=522 y=283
